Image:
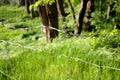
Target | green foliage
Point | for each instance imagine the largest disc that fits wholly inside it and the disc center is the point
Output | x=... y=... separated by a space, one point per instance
x=99 y=18
x=6 y=34
x=75 y=2
x=10 y=2
x=25 y=58
x=42 y=61
x=1 y=2
x=17 y=17
x=43 y=2
x=117 y=9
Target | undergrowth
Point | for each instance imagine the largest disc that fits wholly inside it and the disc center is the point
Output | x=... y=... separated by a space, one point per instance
x=24 y=57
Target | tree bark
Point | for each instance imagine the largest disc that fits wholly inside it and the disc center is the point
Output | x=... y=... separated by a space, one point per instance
x=89 y=10
x=78 y=26
x=53 y=19
x=60 y=7
x=109 y=10
x=32 y=10
x=72 y=10
x=27 y=4
x=49 y=17
x=100 y=8
x=21 y=2
x=6 y=2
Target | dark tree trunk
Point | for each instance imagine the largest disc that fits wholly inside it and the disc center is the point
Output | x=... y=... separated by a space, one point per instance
x=6 y=2
x=53 y=19
x=110 y=12
x=101 y=4
x=32 y=10
x=109 y=9
x=44 y=19
x=89 y=10
x=49 y=17
x=72 y=9
x=32 y=13
x=100 y=8
x=60 y=7
x=21 y=2
x=78 y=26
x=27 y=4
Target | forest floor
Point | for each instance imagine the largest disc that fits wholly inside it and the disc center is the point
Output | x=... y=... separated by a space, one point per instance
x=24 y=54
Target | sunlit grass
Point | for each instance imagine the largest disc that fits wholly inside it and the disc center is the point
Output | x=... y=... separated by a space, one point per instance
x=45 y=62
x=65 y=58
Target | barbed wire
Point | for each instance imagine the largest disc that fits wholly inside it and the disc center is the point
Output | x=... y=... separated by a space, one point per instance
x=89 y=63
x=76 y=59
x=17 y=44
x=81 y=60
x=62 y=55
x=7 y=75
x=72 y=33
x=50 y=27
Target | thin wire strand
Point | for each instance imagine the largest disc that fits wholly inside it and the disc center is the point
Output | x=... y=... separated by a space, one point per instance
x=7 y=75
x=76 y=59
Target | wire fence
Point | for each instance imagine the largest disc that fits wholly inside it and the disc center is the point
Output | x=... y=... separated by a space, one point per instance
x=68 y=32
x=2 y=72
x=61 y=55
x=99 y=66
x=65 y=56
x=43 y=27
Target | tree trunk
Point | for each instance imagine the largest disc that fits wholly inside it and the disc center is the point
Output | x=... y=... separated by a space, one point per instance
x=49 y=18
x=53 y=19
x=27 y=4
x=6 y=2
x=89 y=10
x=109 y=10
x=32 y=10
x=72 y=9
x=78 y=26
x=21 y=2
x=100 y=8
x=60 y=7
x=44 y=19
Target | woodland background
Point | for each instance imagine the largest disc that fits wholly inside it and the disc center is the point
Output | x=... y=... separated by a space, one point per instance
x=59 y=39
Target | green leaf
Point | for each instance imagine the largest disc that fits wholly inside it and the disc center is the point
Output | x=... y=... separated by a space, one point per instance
x=43 y=2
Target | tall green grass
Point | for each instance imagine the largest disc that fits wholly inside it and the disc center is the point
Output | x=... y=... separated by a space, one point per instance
x=56 y=61
x=17 y=16
x=66 y=58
